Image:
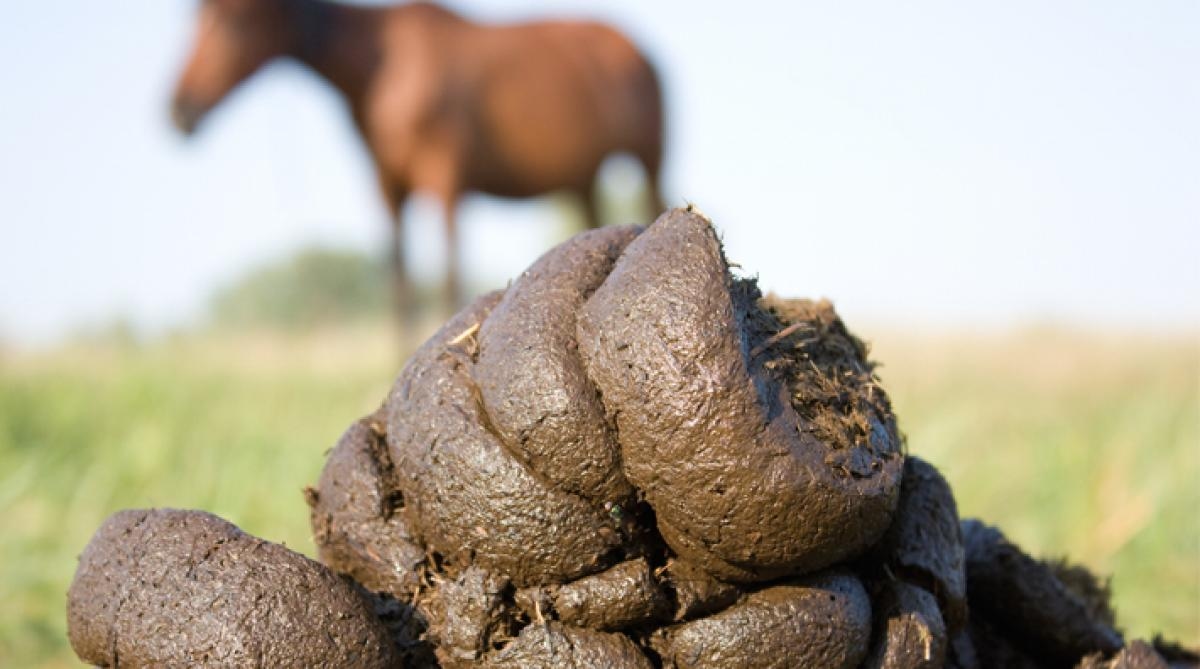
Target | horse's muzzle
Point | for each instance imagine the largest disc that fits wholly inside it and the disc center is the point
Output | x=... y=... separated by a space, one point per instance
x=185 y=114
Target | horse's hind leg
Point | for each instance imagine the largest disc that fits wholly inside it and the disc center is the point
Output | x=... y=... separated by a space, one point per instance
x=651 y=160
x=654 y=194
x=591 y=206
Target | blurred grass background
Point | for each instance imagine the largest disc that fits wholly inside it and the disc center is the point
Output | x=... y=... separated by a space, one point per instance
x=1083 y=444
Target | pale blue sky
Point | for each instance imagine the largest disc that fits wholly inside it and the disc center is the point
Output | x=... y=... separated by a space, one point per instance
x=930 y=163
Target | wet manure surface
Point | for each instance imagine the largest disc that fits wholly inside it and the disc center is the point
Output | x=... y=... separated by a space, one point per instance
x=185 y=588
x=627 y=458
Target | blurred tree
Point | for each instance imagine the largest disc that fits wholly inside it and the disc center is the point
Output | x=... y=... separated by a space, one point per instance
x=315 y=286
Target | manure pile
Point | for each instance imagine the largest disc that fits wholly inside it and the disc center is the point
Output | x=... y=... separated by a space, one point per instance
x=629 y=458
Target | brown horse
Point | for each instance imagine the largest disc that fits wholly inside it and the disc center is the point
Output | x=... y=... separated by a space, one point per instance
x=444 y=104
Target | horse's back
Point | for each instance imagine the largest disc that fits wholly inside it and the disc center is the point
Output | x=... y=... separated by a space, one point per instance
x=534 y=106
x=589 y=55
x=559 y=96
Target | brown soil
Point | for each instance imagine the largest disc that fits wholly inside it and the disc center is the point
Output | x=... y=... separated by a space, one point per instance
x=628 y=458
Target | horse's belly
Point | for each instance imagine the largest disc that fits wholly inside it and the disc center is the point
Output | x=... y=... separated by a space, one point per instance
x=531 y=175
x=539 y=153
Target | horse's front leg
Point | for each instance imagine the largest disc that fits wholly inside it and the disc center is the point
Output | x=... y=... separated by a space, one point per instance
x=404 y=300
x=439 y=171
x=452 y=293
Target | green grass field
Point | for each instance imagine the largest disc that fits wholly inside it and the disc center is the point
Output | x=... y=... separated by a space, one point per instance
x=1079 y=445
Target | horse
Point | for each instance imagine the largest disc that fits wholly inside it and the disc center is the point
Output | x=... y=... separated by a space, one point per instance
x=444 y=104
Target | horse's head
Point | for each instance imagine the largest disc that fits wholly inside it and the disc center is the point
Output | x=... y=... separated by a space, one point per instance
x=233 y=39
